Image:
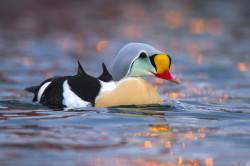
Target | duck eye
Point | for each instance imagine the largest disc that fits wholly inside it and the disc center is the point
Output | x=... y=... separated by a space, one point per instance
x=143 y=55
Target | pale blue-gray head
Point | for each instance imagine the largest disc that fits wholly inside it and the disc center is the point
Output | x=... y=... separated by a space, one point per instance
x=138 y=59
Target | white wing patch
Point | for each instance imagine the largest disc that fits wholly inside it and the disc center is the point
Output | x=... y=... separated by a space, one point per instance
x=107 y=86
x=41 y=90
x=71 y=100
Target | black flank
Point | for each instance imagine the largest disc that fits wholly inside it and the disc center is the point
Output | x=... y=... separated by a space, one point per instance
x=85 y=86
x=53 y=94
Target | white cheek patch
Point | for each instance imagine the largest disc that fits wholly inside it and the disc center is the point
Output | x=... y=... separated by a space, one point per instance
x=41 y=90
x=71 y=100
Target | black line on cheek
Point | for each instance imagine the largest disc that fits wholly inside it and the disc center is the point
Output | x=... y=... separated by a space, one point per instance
x=152 y=61
x=170 y=61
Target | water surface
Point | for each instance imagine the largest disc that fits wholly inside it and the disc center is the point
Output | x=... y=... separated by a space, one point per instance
x=204 y=121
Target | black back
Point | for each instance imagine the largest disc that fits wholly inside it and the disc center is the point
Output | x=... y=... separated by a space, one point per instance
x=85 y=86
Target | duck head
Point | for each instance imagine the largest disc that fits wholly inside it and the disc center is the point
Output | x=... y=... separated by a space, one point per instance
x=138 y=59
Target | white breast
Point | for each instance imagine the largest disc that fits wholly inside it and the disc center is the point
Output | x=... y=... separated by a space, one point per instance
x=71 y=100
x=107 y=86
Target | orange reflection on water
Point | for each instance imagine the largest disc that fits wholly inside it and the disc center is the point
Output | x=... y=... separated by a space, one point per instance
x=158 y=129
x=197 y=26
x=144 y=161
x=176 y=95
x=180 y=161
x=147 y=144
x=224 y=96
x=209 y=162
x=174 y=19
x=168 y=144
x=161 y=130
x=101 y=45
x=145 y=134
x=242 y=67
x=194 y=135
x=214 y=26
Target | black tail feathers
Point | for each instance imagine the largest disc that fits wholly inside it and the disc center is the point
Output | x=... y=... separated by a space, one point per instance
x=80 y=70
x=32 y=89
x=105 y=76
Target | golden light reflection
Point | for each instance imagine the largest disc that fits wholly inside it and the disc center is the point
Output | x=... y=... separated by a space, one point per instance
x=175 y=95
x=195 y=163
x=145 y=161
x=209 y=162
x=180 y=161
x=242 y=67
x=197 y=26
x=101 y=45
x=159 y=128
x=168 y=144
x=174 y=19
x=147 y=144
x=214 y=26
x=145 y=134
x=194 y=135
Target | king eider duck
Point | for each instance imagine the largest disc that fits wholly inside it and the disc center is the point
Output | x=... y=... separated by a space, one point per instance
x=124 y=87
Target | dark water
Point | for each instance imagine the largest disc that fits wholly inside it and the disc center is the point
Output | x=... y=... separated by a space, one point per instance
x=203 y=121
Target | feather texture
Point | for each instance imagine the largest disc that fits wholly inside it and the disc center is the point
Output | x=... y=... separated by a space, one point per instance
x=130 y=91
